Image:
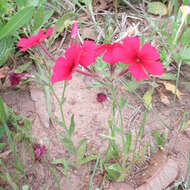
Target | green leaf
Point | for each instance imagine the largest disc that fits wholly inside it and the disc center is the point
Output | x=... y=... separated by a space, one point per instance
x=25 y=187
x=61 y=161
x=2 y=145
x=131 y=85
x=17 y=21
x=72 y=126
x=88 y=159
x=22 y=68
x=159 y=138
x=185 y=39
x=60 y=123
x=2 y=131
x=113 y=171
x=81 y=150
x=48 y=14
x=148 y=99
x=128 y=143
x=185 y=54
x=68 y=143
x=168 y=76
x=33 y=3
x=5 y=49
x=3 y=112
x=157 y=8
x=3 y=6
x=38 y=19
x=21 y=3
x=63 y=22
x=122 y=102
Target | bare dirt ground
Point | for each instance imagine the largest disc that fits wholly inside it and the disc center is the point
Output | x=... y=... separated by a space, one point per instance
x=91 y=120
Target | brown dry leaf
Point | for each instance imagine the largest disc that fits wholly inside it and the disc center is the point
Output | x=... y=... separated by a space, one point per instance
x=161 y=172
x=172 y=88
x=88 y=33
x=5 y=154
x=188 y=123
x=164 y=99
x=3 y=72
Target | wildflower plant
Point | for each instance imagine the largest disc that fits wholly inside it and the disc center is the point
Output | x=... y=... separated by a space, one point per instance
x=83 y=58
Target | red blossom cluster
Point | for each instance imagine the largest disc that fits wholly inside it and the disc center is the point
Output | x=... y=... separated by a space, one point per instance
x=141 y=61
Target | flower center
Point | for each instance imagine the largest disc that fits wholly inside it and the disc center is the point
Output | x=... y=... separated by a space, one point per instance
x=137 y=60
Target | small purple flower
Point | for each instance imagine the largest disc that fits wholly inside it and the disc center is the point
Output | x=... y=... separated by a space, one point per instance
x=101 y=97
x=38 y=151
x=15 y=78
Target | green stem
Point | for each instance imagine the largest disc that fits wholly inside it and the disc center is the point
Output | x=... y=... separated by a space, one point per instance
x=113 y=91
x=60 y=102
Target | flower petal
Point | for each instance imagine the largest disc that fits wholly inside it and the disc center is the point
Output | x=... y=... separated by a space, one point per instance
x=49 y=32
x=149 y=53
x=121 y=55
x=137 y=71
x=111 y=56
x=74 y=31
x=27 y=43
x=73 y=53
x=60 y=70
x=154 y=68
x=131 y=45
x=101 y=49
x=88 y=53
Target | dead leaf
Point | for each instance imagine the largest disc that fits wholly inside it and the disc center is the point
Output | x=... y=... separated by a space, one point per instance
x=89 y=33
x=161 y=172
x=188 y=123
x=164 y=99
x=172 y=88
x=3 y=72
x=5 y=154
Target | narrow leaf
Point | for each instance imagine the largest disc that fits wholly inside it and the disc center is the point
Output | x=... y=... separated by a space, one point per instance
x=88 y=159
x=128 y=143
x=38 y=18
x=81 y=150
x=68 y=143
x=148 y=99
x=3 y=112
x=72 y=126
x=17 y=21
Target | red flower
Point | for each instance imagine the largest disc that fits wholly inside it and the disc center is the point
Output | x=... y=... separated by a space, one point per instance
x=15 y=78
x=38 y=151
x=74 y=30
x=27 y=43
x=140 y=59
x=111 y=55
x=75 y=55
x=88 y=53
x=101 y=97
x=64 y=66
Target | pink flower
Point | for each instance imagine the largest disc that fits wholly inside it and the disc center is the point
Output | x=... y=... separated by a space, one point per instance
x=38 y=151
x=64 y=66
x=75 y=55
x=88 y=53
x=15 y=78
x=110 y=54
x=74 y=30
x=141 y=60
x=27 y=43
x=101 y=97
